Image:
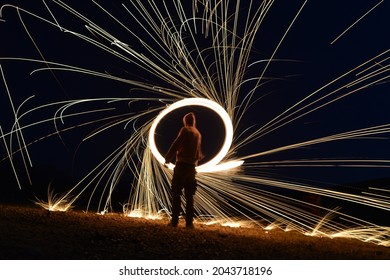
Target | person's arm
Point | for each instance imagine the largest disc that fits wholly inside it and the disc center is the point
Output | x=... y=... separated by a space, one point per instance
x=174 y=147
x=200 y=154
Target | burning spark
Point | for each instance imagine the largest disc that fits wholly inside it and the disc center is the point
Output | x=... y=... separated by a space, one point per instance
x=345 y=31
x=55 y=202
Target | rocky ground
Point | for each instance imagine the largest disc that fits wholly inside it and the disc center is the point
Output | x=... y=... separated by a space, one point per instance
x=29 y=232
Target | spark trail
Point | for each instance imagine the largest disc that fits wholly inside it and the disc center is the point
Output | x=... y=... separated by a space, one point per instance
x=205 y=50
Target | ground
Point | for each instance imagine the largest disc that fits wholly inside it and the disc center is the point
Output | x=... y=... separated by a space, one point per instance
x=30 y=232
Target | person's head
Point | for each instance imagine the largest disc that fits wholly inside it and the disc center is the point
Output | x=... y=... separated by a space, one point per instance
x=189 y=119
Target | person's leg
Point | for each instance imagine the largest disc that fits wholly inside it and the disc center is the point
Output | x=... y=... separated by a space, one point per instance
x=190 y=189
x=176 y=194
x=189 y=207
x=175 y=206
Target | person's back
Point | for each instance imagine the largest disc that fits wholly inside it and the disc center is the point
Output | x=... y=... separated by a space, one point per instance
x=187 y=144
x=189 y=150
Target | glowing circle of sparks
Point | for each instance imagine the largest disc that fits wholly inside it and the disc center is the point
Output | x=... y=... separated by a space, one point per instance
x=214 y=164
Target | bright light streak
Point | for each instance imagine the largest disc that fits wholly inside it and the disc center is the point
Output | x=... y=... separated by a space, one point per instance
x=345 y=31
x=212 y=165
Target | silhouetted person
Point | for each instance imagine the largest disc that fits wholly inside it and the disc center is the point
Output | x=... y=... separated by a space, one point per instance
x=187 y=148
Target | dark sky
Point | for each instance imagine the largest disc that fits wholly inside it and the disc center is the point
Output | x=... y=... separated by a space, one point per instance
x=313 y=62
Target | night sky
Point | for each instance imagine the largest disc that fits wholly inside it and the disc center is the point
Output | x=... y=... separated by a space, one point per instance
x=309 y=62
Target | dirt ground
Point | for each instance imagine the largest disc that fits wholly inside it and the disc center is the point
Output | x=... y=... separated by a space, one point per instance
x=29 y=232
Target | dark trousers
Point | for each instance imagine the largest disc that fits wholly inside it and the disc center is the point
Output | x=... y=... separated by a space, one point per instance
x=183 y=177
